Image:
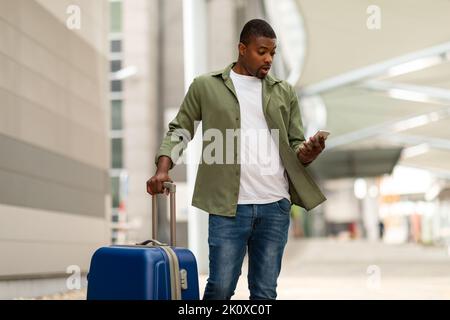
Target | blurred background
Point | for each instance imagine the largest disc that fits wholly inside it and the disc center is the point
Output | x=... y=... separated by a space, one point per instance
x=87 y=88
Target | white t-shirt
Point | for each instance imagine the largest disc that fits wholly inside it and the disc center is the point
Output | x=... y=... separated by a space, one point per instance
x=263 y=177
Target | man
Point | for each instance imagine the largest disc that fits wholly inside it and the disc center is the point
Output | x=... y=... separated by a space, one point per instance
x=249 y=195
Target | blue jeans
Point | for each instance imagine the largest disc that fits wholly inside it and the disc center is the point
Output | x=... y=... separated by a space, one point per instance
x=263 y=229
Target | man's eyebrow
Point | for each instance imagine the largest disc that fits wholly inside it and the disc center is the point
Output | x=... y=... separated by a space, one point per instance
x=264 y=47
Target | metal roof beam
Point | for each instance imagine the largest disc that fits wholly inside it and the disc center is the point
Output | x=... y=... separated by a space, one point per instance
x=415 y=60
x=409 y=92
x=389 y=127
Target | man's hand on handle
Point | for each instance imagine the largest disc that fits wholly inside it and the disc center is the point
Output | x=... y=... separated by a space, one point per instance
x=155 y=183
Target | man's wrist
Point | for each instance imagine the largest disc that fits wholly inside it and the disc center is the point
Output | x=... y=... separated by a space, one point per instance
x=303 y=161
x=307 y=163
x=164 y=164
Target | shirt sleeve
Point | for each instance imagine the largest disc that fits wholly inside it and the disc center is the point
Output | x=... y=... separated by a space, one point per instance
x=183 y=127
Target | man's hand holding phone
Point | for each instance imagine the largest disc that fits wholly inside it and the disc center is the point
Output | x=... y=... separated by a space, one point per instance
x=310 y=149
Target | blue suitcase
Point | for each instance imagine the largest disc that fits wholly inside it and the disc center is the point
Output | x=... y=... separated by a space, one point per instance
x=147 y=271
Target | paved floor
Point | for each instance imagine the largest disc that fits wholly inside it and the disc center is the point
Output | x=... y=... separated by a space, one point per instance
x=331 y=269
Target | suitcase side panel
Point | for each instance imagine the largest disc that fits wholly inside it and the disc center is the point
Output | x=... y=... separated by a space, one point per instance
x=128 y=273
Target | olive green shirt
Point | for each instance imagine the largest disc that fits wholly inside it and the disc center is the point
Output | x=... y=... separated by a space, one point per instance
x=211 y=98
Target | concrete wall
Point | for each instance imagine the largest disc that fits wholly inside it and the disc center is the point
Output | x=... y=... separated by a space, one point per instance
x=54 y=194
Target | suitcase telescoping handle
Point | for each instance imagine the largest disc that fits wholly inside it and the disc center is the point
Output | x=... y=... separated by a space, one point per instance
x=172 y=190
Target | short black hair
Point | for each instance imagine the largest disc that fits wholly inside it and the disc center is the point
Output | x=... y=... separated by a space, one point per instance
x=256 y=28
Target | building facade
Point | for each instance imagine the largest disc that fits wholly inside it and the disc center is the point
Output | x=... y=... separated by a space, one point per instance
x=55 y=154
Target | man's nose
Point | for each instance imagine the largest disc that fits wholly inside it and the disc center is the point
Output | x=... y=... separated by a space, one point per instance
x=268 y=59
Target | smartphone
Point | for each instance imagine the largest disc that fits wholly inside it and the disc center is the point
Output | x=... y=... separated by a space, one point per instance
x=322 y=133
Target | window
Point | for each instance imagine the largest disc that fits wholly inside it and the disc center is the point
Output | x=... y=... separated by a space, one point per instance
x=116 y=86
x=116 y=65
x=116 y=16
x=115 y=191
x=116 y=46
x=117 y=157
x=116 y=115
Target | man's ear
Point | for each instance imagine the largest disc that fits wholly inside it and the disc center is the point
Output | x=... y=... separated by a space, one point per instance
x=242 y=48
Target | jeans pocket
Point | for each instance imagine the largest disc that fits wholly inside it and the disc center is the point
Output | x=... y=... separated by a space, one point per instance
x=284 y=205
